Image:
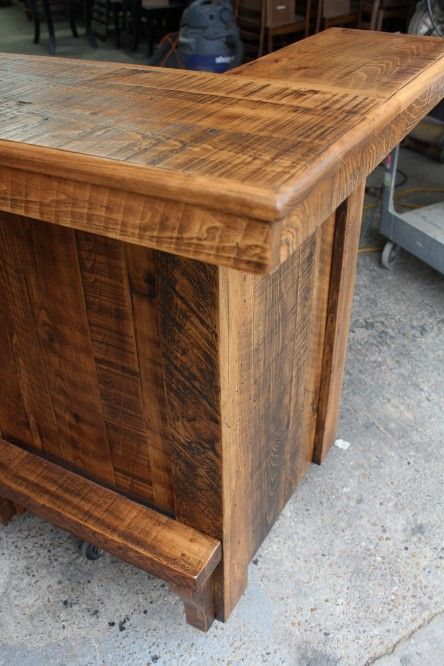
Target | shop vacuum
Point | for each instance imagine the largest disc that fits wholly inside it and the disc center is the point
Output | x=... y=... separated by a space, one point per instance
x=209 y=38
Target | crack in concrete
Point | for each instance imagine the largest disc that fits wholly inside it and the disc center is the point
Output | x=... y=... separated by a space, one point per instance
x=404 y=638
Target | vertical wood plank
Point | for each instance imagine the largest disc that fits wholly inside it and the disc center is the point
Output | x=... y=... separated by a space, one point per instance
x=108 y=304
x=321 y=285
x=237 y=299
x=188 y=299
x=52 y=346
x=242 y=367
x=13 y=416
x=144 y=287
x=26 y=408
x=340 y=300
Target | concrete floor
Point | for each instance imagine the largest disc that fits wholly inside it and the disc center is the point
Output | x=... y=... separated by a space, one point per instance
x=350 y=575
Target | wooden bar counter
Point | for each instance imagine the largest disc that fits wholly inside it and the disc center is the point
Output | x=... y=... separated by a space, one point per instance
x=177 y=259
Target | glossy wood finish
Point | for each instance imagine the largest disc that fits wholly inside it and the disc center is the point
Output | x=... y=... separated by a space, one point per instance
x=155 y=543
x=178 y=253
x=143 y=140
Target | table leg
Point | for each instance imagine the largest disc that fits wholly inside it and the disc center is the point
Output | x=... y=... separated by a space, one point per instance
x=199 y=605
x=8 y=510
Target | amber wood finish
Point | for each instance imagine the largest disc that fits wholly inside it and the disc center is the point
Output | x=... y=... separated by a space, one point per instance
x=271 y=329
x=178 y=253
x=164 y=547
x=7 y=511
x=140 y=141
x=80 y=378
x=340 y=299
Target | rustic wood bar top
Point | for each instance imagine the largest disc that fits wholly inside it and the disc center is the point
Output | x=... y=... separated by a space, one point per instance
x=214 y=168
x=177 y=261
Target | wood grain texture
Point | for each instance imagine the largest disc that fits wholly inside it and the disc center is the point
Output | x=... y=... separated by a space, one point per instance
x=340 y=300
x=258 y=142
x=81 y=378
x=43 y=307
x=188 y=294
x=243 y=360
x=143 y=274
x=271 y=332
x=145 y=538
x=132 y=347
x=194 y=231
x=131 y=409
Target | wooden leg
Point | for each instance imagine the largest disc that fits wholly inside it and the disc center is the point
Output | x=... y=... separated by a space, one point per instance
x=8 y=510
x=199 y=605
x=345 y=254
x=307 y=18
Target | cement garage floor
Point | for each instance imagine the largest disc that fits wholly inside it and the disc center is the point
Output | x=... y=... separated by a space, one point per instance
x=351 y=574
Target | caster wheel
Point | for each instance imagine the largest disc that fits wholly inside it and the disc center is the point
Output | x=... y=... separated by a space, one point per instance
x=390 y=254
x=90 y=551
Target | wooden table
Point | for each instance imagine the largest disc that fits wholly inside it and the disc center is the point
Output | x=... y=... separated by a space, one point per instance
x=178 y=253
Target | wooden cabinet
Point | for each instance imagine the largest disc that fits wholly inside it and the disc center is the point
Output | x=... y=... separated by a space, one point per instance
x=178 y=252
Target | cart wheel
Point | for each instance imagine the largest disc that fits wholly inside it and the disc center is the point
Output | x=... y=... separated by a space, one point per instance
x=90 y=551
x=390 y=254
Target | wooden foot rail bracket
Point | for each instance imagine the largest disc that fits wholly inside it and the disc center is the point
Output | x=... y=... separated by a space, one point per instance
x=183 y=557
x=8 y=510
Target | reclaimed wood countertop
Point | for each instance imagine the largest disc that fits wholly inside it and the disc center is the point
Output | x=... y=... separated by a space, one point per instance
x=235 y=169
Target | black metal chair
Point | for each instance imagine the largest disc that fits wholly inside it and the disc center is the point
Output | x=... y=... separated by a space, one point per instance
x=47 y=14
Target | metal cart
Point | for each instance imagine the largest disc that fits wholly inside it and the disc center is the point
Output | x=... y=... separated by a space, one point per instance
x=419 y=231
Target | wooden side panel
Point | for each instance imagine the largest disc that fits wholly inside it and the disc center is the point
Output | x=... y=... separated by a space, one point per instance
x=340 y=300
x=271 y=336
x=81 y=374
x=243 y=358
x=47 y=331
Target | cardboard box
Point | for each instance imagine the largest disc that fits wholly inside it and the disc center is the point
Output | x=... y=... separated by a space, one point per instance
x=279 y=12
